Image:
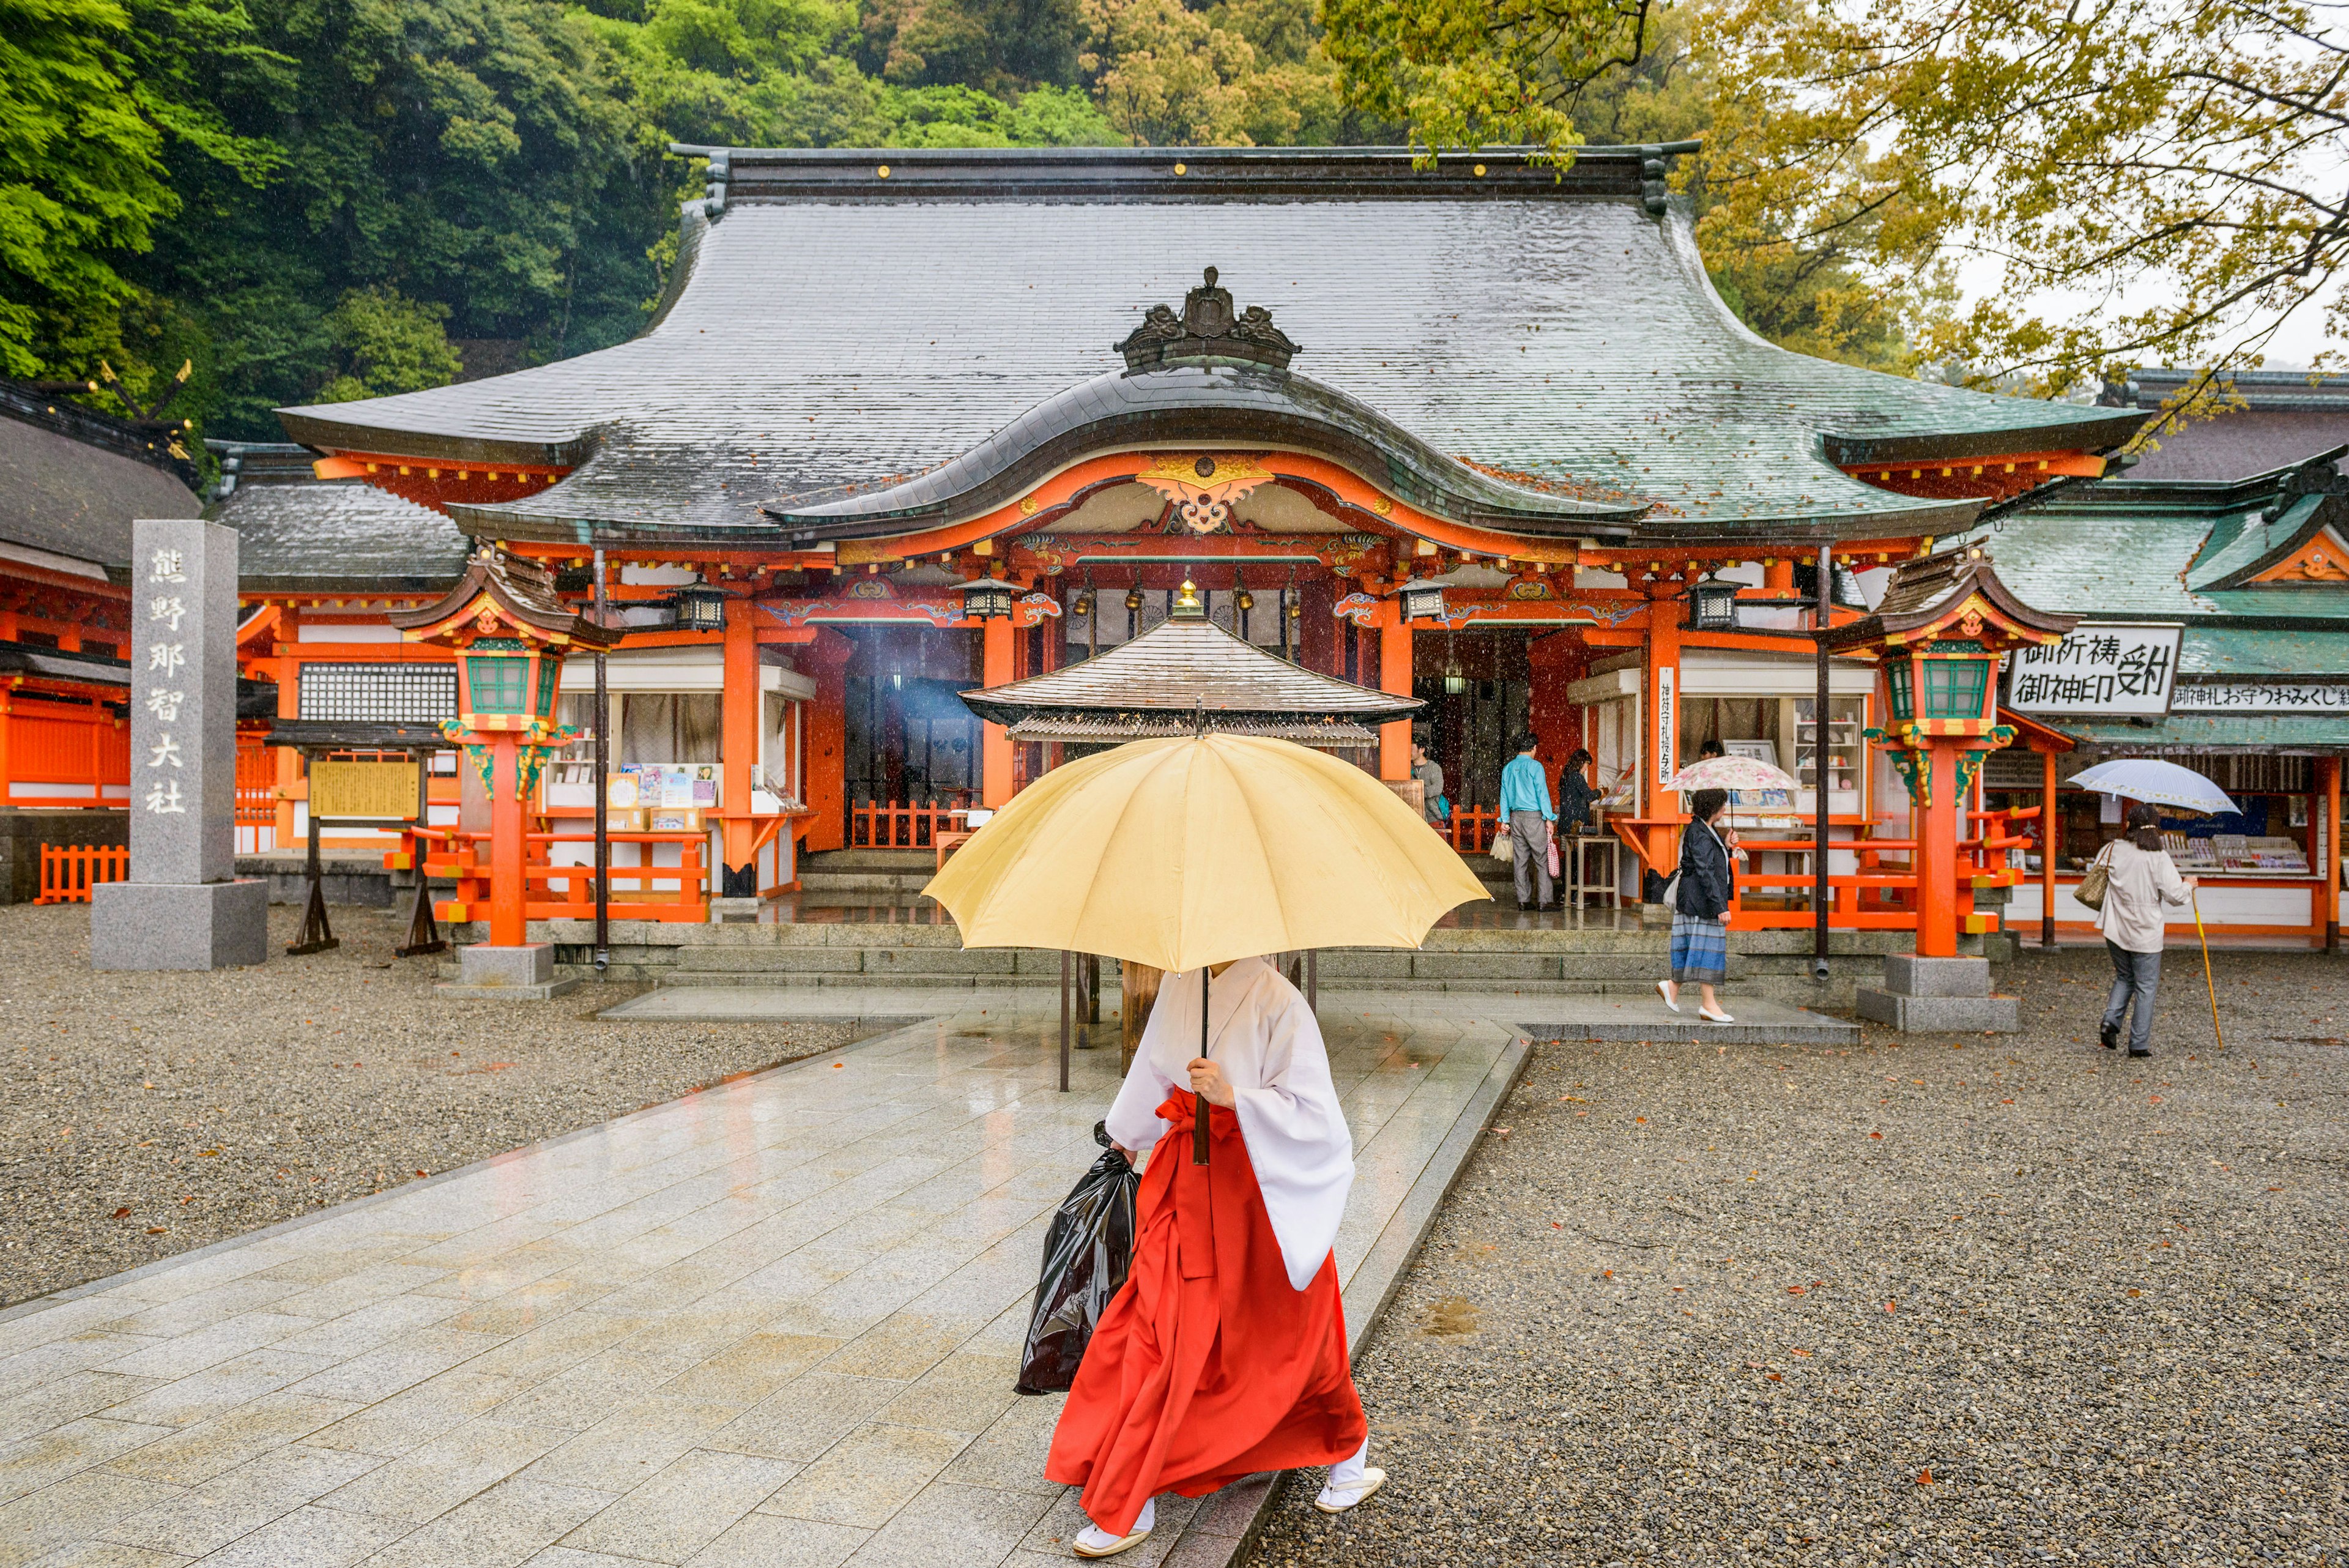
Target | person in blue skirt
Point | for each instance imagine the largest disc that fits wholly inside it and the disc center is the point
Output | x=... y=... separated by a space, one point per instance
x=1707 y=879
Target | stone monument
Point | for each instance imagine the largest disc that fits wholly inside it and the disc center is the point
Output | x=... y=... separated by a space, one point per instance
x=183 y=907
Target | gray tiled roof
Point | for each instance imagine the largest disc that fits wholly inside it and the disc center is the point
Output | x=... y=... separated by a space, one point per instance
x=297 y=535
x=1187 y=663
x=834 y=328
x=2128 y=549
x=66 y=489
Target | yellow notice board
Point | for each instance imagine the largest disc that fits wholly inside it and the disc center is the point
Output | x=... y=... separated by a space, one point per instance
x=383 y=792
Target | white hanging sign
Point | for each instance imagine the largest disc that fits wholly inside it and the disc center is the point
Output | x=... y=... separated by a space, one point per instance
x=2259 y=697
x=2106 y=668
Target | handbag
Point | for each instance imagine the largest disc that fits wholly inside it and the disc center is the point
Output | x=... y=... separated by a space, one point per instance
x=1552 y=855
x=1499 y=849
x=2099 y=877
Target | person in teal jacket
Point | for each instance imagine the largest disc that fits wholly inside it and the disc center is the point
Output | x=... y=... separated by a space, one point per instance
x=1526 y=808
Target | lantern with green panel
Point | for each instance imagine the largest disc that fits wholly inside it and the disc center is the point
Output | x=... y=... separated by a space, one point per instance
x=1946 y=680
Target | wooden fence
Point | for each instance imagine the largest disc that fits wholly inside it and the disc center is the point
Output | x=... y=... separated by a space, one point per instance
x=884 y=824
x=68 y=871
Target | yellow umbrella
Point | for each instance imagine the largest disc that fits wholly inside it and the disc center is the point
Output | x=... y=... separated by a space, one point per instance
x=1183 y=853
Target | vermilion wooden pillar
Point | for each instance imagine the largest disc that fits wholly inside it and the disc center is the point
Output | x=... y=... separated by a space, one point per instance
x=1937 y=857
x=738 y=747
x=509 y=887
x=995 y=742
x=2329 y=847
x=289 y=706
x=1662 y=720
x=2050 y=844
x=1394 y=676
x=825 y=760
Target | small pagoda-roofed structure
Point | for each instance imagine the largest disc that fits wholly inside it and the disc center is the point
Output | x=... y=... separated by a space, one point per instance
x=1186 y=674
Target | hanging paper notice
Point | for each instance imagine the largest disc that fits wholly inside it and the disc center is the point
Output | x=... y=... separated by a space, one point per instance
x=2106 y=668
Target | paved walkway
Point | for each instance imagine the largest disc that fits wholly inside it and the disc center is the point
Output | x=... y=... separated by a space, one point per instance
x=774 y=1323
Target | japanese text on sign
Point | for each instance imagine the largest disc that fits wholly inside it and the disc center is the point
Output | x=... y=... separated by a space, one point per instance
x=2274 y=697
x=2100 y=669
x=166 y=566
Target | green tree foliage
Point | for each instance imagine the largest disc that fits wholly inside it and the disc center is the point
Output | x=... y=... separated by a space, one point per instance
x=94 y=97
x=2119 y=181
x=386 y=344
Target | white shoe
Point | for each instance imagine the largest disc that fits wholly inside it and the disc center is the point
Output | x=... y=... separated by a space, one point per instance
x=1092 y=1541
x=1709 y=1016
x=1333 y=1500
x=1670 y=993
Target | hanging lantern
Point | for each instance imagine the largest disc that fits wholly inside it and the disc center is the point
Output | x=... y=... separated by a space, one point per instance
x=507 y=678
x=700 y=608
x=1422 y=599
x=987 y=598
x=1712 y=606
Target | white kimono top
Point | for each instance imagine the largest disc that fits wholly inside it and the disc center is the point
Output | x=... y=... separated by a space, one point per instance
x=1266 y=1039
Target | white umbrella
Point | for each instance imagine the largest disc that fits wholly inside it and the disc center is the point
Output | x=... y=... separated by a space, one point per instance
x=1730 y=773
x=2155 y=783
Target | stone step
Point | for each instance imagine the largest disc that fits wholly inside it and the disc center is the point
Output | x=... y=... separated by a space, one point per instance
x=854 y=884
x=870 y=860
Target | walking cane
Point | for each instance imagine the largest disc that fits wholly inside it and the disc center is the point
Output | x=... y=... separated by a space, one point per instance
x=2207 y=983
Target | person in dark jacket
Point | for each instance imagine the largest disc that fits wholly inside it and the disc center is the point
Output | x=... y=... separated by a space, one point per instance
x=1575 y=795
x=1708 y=878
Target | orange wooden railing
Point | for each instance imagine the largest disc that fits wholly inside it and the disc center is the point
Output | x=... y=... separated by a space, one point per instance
x=568 y=892
x=883 y=825
x=68 y=871
x=1471 y=830
x=61 y=754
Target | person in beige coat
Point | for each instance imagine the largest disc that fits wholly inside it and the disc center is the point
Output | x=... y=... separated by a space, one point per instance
x=2142 y=879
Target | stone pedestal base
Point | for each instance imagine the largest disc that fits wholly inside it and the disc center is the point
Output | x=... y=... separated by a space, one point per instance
x=1939 y=993
x=177 y=926
x=722 y=910
x=525 y=973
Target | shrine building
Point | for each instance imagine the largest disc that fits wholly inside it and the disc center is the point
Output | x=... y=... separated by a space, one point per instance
x=911 y=423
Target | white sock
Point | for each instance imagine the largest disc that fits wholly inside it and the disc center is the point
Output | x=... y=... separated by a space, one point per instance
x=1142 y=1523
x=1346 y=1475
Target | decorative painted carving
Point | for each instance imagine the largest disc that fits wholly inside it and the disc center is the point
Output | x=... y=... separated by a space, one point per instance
x=1202 y=487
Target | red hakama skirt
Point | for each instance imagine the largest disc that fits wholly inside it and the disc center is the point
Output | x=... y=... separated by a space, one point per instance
x=1206 y=1365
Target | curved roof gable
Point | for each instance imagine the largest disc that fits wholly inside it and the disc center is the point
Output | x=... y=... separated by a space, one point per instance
x=832 y=326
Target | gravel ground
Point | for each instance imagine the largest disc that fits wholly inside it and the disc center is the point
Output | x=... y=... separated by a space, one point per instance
x=142 y=1115
x=1936 y=1299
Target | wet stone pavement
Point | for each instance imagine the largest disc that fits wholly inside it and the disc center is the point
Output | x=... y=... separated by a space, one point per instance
x=775 y=1323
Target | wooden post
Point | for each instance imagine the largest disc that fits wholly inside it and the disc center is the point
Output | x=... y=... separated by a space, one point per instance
x=509 y=887
x=1936 y=856
x=2051 y=829
x=289 y=706
x=2328 y=843
x=423 y=935
x=1394 y=676
x=995 y=743
x=316 y=936
x=1663 y=721
x=738 y=752
x=1822 y=775
x=1137 y=995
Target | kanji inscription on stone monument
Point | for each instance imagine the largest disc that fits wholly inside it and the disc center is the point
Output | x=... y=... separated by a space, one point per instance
x=182 y=908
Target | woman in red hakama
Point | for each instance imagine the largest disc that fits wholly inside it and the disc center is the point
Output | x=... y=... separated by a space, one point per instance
x=1225 y=1353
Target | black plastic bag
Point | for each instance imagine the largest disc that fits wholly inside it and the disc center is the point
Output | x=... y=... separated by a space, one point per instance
x=1086 y=1255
